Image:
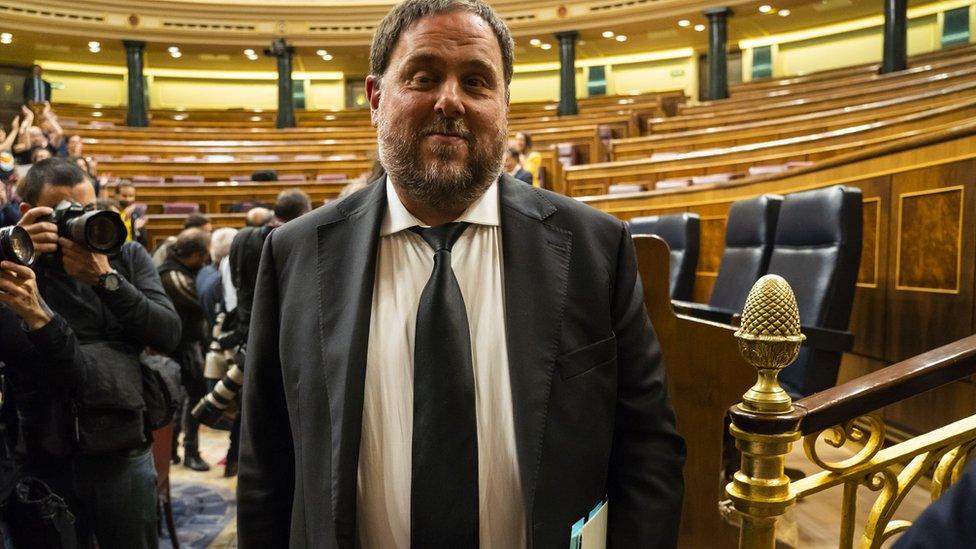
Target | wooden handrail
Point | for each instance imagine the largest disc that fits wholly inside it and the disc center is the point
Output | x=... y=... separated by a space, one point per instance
x=867 y=393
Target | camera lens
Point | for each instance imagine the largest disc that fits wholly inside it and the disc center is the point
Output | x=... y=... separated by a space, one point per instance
x=101 y=231
x=16 y=245
x=102 y=234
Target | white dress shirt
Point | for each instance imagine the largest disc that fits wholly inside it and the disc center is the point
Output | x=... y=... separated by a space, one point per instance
x=404 y=263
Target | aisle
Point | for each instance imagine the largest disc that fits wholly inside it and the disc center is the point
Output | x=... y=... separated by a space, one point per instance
x=214 y=493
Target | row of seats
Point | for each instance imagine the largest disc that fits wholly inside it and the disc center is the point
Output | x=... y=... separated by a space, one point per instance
x=811 y=238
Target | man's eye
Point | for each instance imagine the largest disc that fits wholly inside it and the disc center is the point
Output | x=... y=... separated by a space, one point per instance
x=477 y=82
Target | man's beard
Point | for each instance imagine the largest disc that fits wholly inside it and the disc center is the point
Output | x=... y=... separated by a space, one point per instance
x=441 y=183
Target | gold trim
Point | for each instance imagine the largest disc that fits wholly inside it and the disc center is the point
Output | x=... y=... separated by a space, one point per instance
x=962 y=208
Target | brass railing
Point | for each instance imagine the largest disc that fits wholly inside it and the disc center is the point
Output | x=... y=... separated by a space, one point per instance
x=767 y=423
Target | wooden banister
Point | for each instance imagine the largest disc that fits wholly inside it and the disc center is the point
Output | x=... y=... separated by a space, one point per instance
x=857 y=397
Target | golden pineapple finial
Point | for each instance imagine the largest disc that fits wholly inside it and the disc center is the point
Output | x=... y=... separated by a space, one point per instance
x=769 y=339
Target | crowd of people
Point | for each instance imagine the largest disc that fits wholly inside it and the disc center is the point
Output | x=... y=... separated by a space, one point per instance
x=82 y=330
x=104 y=344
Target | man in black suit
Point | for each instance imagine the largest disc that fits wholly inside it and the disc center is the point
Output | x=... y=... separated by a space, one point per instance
x=36 y=89
x=410 y=381
x=514 y=168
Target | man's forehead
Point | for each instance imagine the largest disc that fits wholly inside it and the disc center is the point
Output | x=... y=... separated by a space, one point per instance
x=457 y=29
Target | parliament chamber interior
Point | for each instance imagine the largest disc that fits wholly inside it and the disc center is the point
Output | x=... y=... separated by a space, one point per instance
x=798 y=178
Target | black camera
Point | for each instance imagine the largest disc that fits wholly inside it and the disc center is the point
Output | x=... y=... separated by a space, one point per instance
x=100 y=231
x=16 y=245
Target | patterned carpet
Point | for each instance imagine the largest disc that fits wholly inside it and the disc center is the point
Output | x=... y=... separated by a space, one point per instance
x=204 y=506
x=201 y=512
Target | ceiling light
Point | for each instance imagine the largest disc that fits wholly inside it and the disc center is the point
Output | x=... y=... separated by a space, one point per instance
x=252 y=57
x=172 y=49
x=546 y=46
x=94 y=44
x=249 y=52
x=765 y=8
x=6 y=38
x=94 y=50
x=608 y=34
x=621 y=38
x=327 y=57
x=97 y=114
x=176 y=54
x=535 y=42
x=699 y=27
x=784 y=13
x=684 y=23
x=321 y=53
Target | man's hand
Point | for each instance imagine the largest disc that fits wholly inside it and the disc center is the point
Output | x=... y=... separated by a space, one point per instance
x=43 y=232
x=15 y=124
x=18 y=290
x=141 y=222
x=80 y=264
x=47 y=109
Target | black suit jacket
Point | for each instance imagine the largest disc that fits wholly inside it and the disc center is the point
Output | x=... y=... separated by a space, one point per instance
x=523 y=175
x=29 y=89
x=592 y=416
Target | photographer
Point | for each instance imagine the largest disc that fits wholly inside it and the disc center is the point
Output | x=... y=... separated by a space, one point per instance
x=41 y=359
x=116 y=306
x=187 y=256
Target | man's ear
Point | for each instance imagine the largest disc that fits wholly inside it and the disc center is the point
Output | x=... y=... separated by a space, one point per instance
x=24 y=206
x=373 y=96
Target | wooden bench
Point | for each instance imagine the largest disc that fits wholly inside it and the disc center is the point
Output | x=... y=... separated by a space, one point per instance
x=595 y=178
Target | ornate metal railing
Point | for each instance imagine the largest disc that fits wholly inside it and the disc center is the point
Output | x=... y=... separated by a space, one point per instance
x=767 y=423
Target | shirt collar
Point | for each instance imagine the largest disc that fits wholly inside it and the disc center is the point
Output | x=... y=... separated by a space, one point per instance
x=484 y=211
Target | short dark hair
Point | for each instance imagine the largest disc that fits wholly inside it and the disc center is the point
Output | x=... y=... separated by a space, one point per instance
x=190 y=241
x=124 y=183
x=195 y=220
x=56 y=172
x=528 y=139
x=291 y=204
x=406 y=13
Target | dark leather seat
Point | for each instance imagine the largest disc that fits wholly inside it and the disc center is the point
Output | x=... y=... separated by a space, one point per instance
x=749 y=235
x=682 y=233
x=818 y=251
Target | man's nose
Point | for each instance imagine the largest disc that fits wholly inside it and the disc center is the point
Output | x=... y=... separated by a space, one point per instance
x=449 y=102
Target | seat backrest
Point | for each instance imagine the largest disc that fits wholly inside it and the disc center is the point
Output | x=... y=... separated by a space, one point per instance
x=818 y=251
x=749 y=235
x=188 y=179
x=682 y=232
x=181 y=208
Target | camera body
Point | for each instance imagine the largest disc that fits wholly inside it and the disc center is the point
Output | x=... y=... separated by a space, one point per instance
x=100 y=231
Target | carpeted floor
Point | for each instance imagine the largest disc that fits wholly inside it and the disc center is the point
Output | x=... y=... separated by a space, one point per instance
x=204 y=504
x=201 y=511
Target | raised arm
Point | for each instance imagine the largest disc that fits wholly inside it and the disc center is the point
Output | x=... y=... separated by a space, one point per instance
x=12 y=136
x=57 y=133
x=645 y=486
x=140 y=304
x=23 y=143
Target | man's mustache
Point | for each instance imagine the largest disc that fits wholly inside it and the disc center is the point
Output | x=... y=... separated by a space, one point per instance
x=446 y=126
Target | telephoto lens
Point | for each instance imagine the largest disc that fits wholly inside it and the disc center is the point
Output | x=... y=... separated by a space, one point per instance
x=217 y=408
x=100 y=231
x=16 y=245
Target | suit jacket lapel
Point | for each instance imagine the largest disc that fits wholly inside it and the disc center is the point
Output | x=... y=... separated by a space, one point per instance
x=536 y=264
x=346 y=269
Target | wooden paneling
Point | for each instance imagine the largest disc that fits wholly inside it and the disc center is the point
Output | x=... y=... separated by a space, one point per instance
x=931 y=264
x=868 y=315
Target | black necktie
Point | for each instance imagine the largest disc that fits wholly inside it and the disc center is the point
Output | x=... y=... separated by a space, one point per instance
x=444 y=482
